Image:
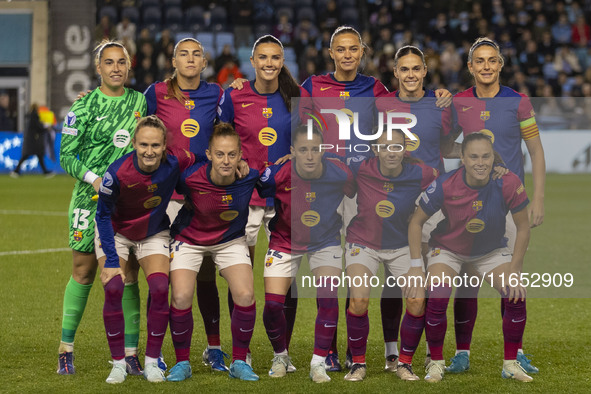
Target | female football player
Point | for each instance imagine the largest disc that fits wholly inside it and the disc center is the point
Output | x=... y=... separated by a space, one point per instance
x=473 y=233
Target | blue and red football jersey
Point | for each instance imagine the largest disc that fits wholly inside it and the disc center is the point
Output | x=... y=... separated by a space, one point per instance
x=385 y=204
x=433 y=125
x=474 y=223
x=328 y=93
x=219 y=213
x=263 y=123
x=189 y=125
x=307 y=208
x=499 y=117
x=133 y=203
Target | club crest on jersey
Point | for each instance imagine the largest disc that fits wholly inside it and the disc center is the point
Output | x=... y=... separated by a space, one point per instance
x=77 y=236
x=267 y=112
x=477 y=205
x=388 y=187
x=227 y=199
x=268 y=261
x=344 y=95
x=435 y=252
x=189 y=104
x=152 y=188
x=310 y=196
x=520 y=189
x=484 y=115
x=355 y=251
x=137 y=115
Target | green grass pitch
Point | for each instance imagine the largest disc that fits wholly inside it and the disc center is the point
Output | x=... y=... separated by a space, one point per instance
x=32 y=287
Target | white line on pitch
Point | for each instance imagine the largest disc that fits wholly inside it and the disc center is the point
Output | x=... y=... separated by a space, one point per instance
x=15 y=252
x=25 y=212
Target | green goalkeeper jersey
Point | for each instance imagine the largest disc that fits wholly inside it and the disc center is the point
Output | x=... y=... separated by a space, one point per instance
x=98 y=130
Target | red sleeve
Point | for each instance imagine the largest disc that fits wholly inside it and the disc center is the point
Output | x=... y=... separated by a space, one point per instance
x=429 y=175
x=379 y=90
x=514 y=193
x=446 y=122
x=186 y=159
x=525 y=110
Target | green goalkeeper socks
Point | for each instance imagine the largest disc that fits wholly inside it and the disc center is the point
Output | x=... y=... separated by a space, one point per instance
x=131 y=314
x=75 y=298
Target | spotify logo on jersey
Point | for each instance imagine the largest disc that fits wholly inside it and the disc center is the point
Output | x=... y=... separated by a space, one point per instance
x=121 y=138
x=190 y=128
x=267 y=136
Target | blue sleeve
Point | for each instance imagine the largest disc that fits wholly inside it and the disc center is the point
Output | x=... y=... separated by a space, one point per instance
x=226 y=107
x=266 y=184
x=151 y=101
x=108 y=194
x=431 y=199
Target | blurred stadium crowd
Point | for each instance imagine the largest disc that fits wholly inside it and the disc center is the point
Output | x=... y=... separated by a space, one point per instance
x=546 y=43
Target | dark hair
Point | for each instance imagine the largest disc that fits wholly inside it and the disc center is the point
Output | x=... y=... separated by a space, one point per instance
x=173 y=89
x=288 y=87
x=479 y=136
x=303 y=129
x=482 y=41
x=345 y=29
x=109 y=44
x=224 y=129
x=408 y=50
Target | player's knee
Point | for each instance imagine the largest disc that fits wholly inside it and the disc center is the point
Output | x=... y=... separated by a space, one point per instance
x=243 y=297
x=114 y=288
x=416 y=306
x=182 y=298
x=358 y=306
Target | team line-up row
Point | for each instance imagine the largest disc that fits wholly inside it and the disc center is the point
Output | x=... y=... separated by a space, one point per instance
x=466 y=219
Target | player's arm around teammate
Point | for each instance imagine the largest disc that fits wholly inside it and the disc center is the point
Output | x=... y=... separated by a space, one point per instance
x=475 y=206
x=214 y=226
x=131 y=216
x=96 y=131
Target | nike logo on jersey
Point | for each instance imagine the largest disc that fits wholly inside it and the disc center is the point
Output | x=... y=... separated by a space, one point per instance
x=244 y=105
x=456 y=197
x=289 y=188
x=323 y=89
x=179 y=333
x=391 y=110
x=135 y=184
x=157 y=335
x=242 y=330
x=505 y=254
x=99 y=118
x=464 y=109
x=112 y=335
x=204 y=192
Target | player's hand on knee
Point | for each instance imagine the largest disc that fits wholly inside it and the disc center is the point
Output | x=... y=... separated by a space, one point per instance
x=109 y=273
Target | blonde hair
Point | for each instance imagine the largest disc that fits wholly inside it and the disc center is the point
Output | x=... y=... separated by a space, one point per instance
x=482 y=41
x=173 y=89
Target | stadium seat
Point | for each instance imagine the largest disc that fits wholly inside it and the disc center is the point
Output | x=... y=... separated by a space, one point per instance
x=109 y=11
x=152 y=19
x=261 y=30
x=243 y=54
x=306 y=13
x=207 y=40
x=223 y=38
x=173 y=18
x=132 y=13
x=149 y=3
x=350 y=17
x=347 y=3
x=284 y=3
x=194 y=20
x=262 y=12
x=181 y=35
x=172 y=3
x=219 y=19
x=289 y=54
